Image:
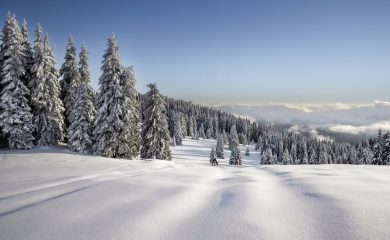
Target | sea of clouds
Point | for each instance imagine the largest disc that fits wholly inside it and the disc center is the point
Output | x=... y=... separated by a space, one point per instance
x=343 y=122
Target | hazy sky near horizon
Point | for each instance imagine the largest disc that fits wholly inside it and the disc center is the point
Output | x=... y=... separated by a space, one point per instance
x=232 y=52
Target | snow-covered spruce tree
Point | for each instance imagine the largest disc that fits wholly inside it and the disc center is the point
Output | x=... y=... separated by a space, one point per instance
x=194 y=129
x=267 y=157
x=129 y=138
x=312 y=156
x=259 y=143
x=189 y=125
x=287 y=160
x=70 y=80
x=364 y=155
x=112 y=128
x=386 y=148
x=155 y=134
x=82 y=111
x=378 y=150
x=242 y=139
x=302 y=155
x=224 y=137
x=85 y=81
x=352 y=155
x=213 y=156
x=47 y=106
x=177 y=130
x=235 y=156
x=15 y=112
x=201 y=132
x=233 y=138
x=27 y=54
x=247 y=152
x=294 y=153
x=219 y=148
x=183 y=124
x=323 y=156
x=280 y=152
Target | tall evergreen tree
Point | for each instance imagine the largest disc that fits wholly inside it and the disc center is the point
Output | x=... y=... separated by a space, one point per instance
x=85 y=81
x=28 y=60
x=70 y=80
x=46 y=104
x=15 y=112
x=116 y=108
x=82 y=111
x=129 y=137
x=155 y=134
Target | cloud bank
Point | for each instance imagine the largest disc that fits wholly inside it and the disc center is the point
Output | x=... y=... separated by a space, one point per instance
x=323 y=120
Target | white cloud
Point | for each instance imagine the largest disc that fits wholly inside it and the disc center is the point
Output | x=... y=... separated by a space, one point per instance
x=367 y=129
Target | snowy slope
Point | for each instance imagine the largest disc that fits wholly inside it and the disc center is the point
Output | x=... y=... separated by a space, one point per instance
x=51 y=193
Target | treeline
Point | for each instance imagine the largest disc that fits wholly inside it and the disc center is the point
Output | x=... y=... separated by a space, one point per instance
x=278 y=147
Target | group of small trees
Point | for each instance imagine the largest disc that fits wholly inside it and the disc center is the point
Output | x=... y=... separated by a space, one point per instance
x=235 y=154
x=43 y=106
x=281 y=147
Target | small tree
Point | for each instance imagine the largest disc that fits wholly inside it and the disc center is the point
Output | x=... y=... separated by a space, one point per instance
x=233 y=138
x=235 y=156
x=213 y=157
x=247 y=152
x=224 y=137
x=219 y=148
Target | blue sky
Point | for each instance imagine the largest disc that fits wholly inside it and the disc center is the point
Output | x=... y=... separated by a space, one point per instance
x=232 y=52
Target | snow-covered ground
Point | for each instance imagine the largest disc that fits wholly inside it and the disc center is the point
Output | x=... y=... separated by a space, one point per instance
x=51 y=193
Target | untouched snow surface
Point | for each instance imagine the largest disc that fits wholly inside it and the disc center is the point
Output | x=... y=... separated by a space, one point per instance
x=51 y=193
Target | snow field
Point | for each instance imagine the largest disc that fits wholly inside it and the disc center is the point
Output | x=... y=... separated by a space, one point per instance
x=51 y=193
